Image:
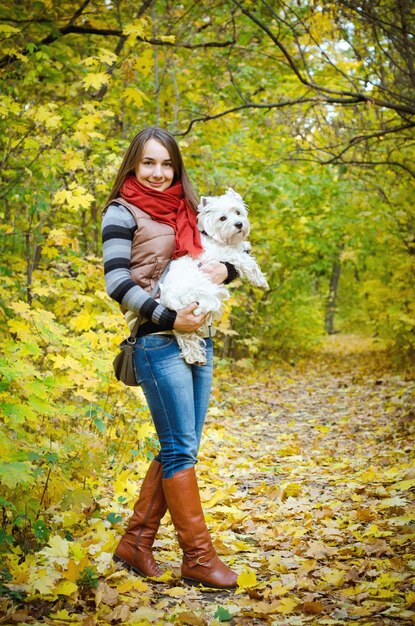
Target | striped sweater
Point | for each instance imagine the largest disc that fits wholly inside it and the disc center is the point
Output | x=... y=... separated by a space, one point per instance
x=118 y=227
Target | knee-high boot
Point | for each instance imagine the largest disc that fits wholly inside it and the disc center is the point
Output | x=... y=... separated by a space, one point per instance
x=200 y=561
x=135 y=547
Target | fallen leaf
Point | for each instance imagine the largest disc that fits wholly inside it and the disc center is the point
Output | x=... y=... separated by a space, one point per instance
x=105 y=594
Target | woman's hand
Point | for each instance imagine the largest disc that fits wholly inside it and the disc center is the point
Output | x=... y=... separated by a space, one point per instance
x=186 y=321
x=217 y=271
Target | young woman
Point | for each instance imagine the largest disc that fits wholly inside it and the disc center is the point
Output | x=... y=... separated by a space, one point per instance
x=150 y=218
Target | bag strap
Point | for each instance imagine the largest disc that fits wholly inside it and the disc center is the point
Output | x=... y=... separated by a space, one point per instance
x=152 y=294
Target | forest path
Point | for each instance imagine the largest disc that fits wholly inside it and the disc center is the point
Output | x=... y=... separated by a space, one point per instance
x=309 y=480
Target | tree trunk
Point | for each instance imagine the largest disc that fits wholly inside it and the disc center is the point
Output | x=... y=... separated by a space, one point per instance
x=332 y=297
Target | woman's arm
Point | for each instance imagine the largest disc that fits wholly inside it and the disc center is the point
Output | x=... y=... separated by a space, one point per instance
x=118 y=227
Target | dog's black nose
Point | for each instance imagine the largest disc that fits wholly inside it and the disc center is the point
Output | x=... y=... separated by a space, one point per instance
x=238 y=225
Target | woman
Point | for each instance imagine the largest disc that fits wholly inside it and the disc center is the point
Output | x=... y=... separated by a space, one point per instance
x=149 y=219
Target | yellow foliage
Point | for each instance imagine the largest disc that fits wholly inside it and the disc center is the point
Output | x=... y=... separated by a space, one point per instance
x=75 y=197
x=247 y=579
x=133 y=95
x=96 y=80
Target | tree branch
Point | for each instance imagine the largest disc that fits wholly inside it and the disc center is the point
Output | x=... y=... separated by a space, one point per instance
x=344 y=97
x=112 y=32
x=359 y=138
x=247 y=105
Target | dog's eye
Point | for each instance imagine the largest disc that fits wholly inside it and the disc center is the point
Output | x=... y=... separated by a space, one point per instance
x=223 y=218
x=238 y=212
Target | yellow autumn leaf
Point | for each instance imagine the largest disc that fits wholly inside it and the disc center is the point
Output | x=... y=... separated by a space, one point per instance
x=292 y=489
x=90 y=61
x=137 y=28
x=396 y=501
x=75 y=197
x=43 y=580
x=143 y=430
x=166 y=577
x=62 y=616
x=247 y=579
x=410 y=599
x=66 y=588
x=65 y=363
x=106 y=56
x=21 y=308
x=404 y=485
x=132 y=95
x=334 y=578
x=74 y=161
x=57 y=547
x=218 y=496
x=96 y=80
x=168 y=38
x=77 y=551
x=287 y=605
x=145 y=616
x=44 y=115
x=241 y=546
x=9 y=30
x=322 y=428
x=83 y=321
x=50 y=252
x=20 y=328
x=176 y=592
x=136 y=584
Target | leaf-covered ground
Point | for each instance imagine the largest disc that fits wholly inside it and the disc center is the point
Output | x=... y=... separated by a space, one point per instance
x=308 y=481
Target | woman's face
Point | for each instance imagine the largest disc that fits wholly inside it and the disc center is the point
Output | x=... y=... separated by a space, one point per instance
x=155 y=168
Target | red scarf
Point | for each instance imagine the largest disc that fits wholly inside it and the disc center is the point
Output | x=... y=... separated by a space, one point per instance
x=168 y=207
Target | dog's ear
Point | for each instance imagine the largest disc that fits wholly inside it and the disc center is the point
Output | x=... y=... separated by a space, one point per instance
x=234 y=194
x=203 y=201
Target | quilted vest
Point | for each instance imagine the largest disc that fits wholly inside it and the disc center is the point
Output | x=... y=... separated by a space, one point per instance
x=152 y=247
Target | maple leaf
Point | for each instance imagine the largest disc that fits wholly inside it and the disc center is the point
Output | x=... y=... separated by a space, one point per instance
x=189 y=618
x=223 y=614
x=8 y=29
x=105 y=594
x=83 y=321
x=137 y=28
x=65 y=588
x=106 y=56
x=16 y=473
x=96 y=80
x=43 y=580
x=133 y=95
x=44 y=115
x=287 y=605
x=121 y=614
x=247 y=579
x=137 y=585
x=57 y=549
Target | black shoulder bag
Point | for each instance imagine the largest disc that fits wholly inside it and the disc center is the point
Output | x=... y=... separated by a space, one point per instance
x=123 y=363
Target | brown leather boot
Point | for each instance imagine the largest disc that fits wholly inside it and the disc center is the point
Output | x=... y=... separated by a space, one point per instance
x=134 y=550
x=200 y=561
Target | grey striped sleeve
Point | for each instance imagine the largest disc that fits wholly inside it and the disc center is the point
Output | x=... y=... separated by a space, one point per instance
x=118 y=227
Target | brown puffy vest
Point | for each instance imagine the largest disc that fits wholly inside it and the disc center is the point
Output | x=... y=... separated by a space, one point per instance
x=152 y=247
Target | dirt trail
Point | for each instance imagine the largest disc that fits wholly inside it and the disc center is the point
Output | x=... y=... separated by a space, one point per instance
x=315 y=472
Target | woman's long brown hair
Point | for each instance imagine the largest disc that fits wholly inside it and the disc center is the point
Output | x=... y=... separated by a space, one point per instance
x=134 y=153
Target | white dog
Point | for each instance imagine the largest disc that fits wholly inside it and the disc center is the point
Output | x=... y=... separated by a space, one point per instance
x=224 y=225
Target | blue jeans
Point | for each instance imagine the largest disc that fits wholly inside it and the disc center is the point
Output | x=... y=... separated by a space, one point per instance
x=177 y=395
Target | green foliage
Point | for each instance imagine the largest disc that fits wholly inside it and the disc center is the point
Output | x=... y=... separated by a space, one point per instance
x=88 y=579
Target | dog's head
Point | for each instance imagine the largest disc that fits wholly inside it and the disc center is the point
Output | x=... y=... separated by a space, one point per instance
x=224 y=218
